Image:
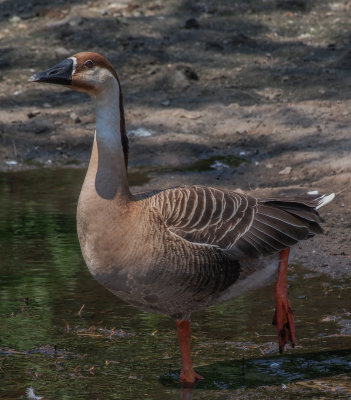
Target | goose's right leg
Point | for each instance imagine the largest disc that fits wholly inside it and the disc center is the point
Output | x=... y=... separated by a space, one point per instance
x=187 y=375
x=283 y=317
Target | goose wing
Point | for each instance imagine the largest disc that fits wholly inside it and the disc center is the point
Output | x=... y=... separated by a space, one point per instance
x=239 y=224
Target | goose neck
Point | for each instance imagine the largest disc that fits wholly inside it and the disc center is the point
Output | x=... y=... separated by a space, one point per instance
x=111 y=173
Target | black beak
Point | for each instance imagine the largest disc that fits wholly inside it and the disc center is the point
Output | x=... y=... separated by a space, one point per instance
x=60 y=74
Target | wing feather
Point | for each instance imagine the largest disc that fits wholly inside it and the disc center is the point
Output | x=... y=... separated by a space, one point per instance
x=240 y=225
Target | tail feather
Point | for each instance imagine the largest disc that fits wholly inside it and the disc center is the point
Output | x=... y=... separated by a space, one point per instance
x=280 y=223
x=324 y=200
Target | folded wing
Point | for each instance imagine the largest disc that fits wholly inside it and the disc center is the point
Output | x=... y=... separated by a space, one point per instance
x=239 y=224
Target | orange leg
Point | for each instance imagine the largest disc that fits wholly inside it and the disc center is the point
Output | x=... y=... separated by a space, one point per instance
x=283 y=317
x=187 y=374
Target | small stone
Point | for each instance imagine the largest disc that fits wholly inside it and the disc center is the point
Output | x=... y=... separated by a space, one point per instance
x=31 y=395
x=15 y=19
x=33 y=114
x=75 y=21
x=188 y=72
x=165 y=103
x=219 y=165
x=191 y=23
x=285 y=171
x=140 y=132
x=75 y=118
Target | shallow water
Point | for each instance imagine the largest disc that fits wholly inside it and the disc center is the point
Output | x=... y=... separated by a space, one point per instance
x=66 y=337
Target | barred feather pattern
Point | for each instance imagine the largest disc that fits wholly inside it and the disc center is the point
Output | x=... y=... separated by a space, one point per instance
x=238 y=224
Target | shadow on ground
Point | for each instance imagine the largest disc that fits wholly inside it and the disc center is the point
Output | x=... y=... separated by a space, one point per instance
x=276 y=370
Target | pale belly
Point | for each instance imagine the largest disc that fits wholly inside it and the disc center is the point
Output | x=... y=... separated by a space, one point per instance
x=160 y=290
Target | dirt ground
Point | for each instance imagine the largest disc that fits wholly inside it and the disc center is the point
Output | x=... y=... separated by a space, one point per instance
x=266 y=80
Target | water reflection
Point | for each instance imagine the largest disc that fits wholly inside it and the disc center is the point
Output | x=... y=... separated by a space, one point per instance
x=186 y=393
x=50 y=342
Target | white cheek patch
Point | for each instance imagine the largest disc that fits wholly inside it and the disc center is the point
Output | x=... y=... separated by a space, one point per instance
x=74 y=64
x=104 y=75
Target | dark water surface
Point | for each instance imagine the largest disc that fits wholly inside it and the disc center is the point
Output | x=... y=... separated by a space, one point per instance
x=66 y=337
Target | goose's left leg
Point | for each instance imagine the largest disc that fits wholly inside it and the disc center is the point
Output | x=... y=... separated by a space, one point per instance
x=187 y=374
x=283 y=317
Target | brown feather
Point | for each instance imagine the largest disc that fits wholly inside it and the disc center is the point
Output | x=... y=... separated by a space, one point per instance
x=241 y=225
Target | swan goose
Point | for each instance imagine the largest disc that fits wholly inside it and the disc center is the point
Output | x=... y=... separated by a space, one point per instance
x=181 y=249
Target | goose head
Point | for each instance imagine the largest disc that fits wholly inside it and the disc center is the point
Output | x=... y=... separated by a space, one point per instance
x=93 y=74
x=84 y=72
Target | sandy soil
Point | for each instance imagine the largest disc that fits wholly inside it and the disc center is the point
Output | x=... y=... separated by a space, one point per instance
x=267 y=80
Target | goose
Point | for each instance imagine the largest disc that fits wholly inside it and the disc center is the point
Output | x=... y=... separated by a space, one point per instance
x=181 y=249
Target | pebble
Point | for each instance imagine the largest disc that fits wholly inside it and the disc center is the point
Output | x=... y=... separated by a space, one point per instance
x=191 y=23
x=219 y=165
x=285 y=171
x=141 y=132
x=15 y=19
x=32 y=396
x=33 y=114
x=75 y=118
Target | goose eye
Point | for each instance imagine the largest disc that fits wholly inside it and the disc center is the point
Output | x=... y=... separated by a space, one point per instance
x=89 y=64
